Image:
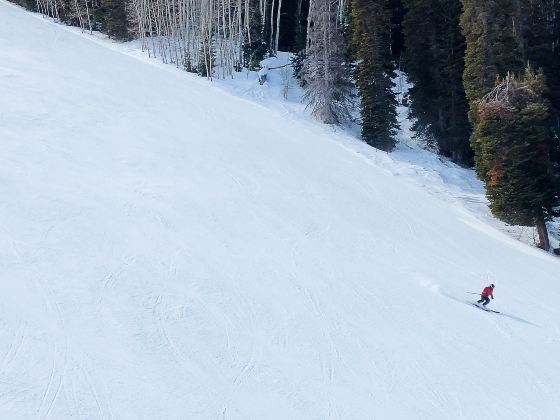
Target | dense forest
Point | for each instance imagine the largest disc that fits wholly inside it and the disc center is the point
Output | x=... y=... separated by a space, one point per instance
x=485 y=74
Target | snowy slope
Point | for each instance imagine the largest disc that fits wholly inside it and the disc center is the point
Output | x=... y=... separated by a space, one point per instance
x=171 y=251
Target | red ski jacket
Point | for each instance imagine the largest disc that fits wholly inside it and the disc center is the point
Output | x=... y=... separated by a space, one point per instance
x=487 y=292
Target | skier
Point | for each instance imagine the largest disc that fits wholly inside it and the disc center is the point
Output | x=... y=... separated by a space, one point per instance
x=488 y=291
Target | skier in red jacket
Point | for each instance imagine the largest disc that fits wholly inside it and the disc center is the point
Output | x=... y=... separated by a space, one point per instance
x=488 y=291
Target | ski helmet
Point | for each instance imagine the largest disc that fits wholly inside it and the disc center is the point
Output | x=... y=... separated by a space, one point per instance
x=492 y=286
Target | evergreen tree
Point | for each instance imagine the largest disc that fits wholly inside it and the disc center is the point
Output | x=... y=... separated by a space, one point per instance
x=371 y=25
x=397 y=35
x=188 y=64
x=493 y=33
x=328 y=86
x=71 y=12
x=112 y=15
x=438 y=102
x=298 y=64
x=515 y=151
x=541 y=33
x=28 y=4
x=293 y=25
x=302 y=13
x=109 y=16
x=300 y=41
x=255 y=47
x=514 y=142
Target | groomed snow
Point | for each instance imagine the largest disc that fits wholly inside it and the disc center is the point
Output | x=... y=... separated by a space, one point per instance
x=171 y=251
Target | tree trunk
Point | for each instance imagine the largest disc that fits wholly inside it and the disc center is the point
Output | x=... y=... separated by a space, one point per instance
x=544 y=243
x=278 y=26
x=271 y=43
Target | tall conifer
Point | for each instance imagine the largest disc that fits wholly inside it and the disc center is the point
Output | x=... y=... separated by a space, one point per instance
x=541 y=33
x=434 y=62
x=514 y=142
x=254 y=48
x=493 y=33
x=371 y=24
x=112 y=15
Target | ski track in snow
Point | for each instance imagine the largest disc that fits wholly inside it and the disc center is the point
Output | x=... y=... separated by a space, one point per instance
x=171 y=250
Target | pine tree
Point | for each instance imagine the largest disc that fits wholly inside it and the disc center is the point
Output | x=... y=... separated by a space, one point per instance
x=371 y=24
x=28 y=4
x=112 y=16
x=438 y=102
x=188 y=64
x=300 y=41
x=254 y=48
x=493 y=34
x=514 y=142
x=298 y=64
x=72 y=12
x=515 y=151
x=328 y=86
x=398 y=11
x=541 y=33
x=293 y=25
x=302 y=12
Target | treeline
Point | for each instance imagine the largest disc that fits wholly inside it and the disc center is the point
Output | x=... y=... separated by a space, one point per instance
x=486 y=87
x=512 y=81
x=108 y=16
x=485 y=73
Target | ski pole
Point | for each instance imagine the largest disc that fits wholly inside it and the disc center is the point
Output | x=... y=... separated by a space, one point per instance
x=472 y=293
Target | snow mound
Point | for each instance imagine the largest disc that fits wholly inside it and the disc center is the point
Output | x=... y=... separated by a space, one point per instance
x=172 y=251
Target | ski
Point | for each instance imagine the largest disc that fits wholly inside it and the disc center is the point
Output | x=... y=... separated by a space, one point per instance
x=485 y=309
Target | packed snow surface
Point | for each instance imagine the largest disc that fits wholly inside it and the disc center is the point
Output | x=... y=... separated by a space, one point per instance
x=169 y=250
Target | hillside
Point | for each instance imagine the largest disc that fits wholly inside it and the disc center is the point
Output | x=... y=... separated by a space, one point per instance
x=172 y=251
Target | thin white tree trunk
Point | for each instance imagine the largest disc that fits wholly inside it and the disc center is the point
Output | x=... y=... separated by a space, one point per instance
x=278 y=25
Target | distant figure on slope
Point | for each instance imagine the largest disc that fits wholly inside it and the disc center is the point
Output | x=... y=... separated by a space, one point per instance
x=488 y=291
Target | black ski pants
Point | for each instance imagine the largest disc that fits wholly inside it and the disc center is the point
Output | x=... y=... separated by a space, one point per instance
x=484 y=299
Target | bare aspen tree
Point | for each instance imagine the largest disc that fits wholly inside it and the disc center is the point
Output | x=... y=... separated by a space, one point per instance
x=199 y=35
x=196 y=34
x=277 y=26
x=272 y=23
x=76 y=12
x=329 y=87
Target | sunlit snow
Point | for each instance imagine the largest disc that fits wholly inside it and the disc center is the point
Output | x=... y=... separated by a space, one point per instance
x=170 y=249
